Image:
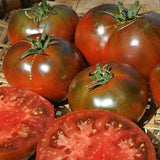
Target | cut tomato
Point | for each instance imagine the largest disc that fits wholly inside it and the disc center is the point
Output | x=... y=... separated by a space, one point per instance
x=94 y=135
x=24 y=115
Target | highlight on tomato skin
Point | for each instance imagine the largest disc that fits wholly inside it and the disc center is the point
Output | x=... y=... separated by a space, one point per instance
x=94 y=135
x=24 y=115
x=154 y=83
x=112 y=86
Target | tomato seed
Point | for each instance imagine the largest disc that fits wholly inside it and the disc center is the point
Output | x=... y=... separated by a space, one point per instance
x=120 y=125
x=1 y=96
x=8 y=144
x=94 y=131
x=38 y=111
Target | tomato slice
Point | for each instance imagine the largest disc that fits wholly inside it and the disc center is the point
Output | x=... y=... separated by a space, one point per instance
x=23 y=117
x=94 y=135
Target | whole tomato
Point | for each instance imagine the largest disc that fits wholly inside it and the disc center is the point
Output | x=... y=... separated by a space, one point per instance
x=110 y=32
x=46 y=65
x=59 y=19
x=154 y=83
x=110 y=86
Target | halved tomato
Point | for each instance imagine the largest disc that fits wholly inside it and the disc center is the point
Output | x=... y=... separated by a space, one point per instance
x=24 y=115
x=94 y=135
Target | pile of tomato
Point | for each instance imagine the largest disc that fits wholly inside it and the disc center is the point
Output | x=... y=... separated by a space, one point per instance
x=104 y=65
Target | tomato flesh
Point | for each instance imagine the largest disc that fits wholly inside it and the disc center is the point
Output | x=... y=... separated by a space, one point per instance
x=23 y=117
x=94 y=135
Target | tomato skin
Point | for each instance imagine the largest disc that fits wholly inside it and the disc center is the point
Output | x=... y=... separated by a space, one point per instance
x=94 y=135
x=154 y=83
x=23 y=117
x=61 y=24
x=111 y=41
x=126 y=93
x=48 y=74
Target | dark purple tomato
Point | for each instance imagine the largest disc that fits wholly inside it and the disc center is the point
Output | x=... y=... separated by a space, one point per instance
x=112 y=86
x=60 y=20
x=102 y=37
x=48 y=71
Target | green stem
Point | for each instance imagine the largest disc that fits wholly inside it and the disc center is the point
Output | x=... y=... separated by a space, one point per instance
x=126 y=15
x=40 y=12
x=100 y=76
x=39 y=46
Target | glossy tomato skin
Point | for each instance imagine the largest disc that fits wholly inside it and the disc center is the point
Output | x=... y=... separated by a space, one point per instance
x=61 y=23
x=48 y=74
x=24 y=116
x=129 y=42
x=154 y=83
x=126 y=93
x=94 y=135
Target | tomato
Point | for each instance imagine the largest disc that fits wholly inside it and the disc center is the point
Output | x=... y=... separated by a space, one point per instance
x=123 y=90
x=101 y=37
x=24 y=116
x=48 y=72
x=61 y=21
x=94 y=135
x=154 y=83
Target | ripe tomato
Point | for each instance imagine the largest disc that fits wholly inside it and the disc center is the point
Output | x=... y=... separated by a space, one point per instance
x=94 y=135
x=155 y=84
x=117 y=87
x=60 y=20
x=101 y=37
x=49 y=71
x=24 y=116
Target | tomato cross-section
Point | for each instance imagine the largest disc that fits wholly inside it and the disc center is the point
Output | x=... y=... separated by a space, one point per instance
x=94 y=135
x=24 y=115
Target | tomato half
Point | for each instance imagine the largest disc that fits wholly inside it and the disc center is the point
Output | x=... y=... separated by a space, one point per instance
x=126 y=92
x=94 y=135
x=60 y=20
x=102 y=38
x=49 y=73
x=24 y=116
x=154 y=83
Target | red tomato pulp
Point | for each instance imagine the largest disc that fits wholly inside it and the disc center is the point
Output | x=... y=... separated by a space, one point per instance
x=94 y=135
x=24 y=116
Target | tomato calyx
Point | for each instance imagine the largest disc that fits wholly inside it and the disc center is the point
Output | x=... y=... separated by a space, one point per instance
x=100 y=76
x=126 y=15
x=40 y=44
x=40 y=12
